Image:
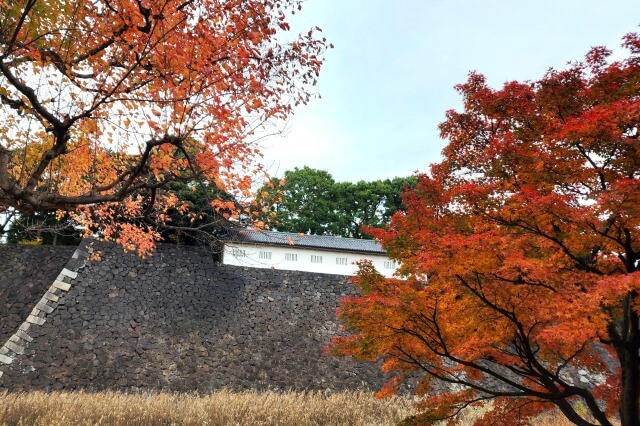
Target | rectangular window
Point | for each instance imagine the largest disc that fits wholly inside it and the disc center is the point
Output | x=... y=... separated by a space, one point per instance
x=291 y=257
x=389 y=264
x=316 y=259
x=265 y=255
x=341 y=260
x=238 y=252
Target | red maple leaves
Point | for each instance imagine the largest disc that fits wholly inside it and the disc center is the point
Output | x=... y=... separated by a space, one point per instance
x=529 y=234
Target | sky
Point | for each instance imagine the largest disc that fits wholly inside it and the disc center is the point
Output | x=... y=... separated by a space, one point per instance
x=390 y=78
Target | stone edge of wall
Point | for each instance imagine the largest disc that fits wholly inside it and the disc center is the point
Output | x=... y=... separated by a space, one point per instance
x=18 y=342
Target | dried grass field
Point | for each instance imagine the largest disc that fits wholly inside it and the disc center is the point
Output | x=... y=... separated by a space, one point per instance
x=219 y=408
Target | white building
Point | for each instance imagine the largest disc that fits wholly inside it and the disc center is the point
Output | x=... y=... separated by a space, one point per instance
x=300 y=252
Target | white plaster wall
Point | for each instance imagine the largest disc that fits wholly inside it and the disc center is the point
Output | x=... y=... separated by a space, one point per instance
x=278 y=259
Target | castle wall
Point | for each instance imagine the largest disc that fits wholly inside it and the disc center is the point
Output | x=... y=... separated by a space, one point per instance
x=178 y=321
x=25 y=274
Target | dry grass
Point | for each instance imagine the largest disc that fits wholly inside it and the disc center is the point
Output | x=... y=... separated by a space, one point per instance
x=554 y=418
x=220 y=408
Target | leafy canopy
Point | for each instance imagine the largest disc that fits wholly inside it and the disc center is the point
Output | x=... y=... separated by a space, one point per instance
x=104 y=102
x=310 y=201
x=520 y=251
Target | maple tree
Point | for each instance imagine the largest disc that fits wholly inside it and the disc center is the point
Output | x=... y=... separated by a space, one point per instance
x=104 y=102
x=521 y=252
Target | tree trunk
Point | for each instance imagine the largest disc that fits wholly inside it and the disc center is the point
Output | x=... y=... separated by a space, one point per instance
x=630 y=365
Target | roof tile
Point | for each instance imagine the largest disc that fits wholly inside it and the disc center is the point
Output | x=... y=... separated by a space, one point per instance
x=304 y=240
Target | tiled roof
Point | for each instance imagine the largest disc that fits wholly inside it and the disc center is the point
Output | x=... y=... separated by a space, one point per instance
x=303 y=240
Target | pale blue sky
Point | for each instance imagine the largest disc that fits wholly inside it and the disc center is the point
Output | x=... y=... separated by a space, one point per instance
x=389 y=80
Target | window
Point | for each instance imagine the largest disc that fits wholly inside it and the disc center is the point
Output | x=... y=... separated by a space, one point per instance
x=265 y=255
x=291 y=257
x=316 y=259
x=389 y=264
x=341 y=260
x=238 y=252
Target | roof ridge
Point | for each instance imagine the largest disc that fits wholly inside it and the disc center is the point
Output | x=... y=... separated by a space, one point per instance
x=302 y=234
x=306 y=240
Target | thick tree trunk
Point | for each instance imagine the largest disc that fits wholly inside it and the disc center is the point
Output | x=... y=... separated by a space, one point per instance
x=629 y=413
x=630 y=365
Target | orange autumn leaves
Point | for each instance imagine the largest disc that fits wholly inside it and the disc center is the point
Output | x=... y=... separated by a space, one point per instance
x=519 y=251
x=108 y=101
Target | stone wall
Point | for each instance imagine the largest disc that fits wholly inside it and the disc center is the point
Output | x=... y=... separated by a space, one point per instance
x=178 y=321
x=25 y=274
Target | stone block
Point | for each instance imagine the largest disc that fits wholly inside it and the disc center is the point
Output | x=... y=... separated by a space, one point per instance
x=44 y=308
x=80 y=254
x=71 y=274
x=24 y=336
x=35 y=320
x=15 y=347
x=15 y=339
x=50 y=296
x=61 y=285
x=5 y=359
x=73 y=264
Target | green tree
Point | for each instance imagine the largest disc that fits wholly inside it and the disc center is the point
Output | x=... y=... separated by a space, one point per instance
x=368 y=204
x=303 y=202
x=310 y=201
